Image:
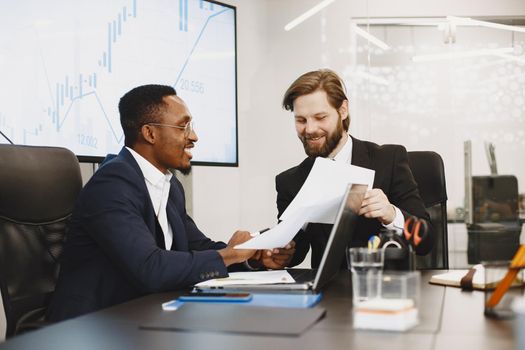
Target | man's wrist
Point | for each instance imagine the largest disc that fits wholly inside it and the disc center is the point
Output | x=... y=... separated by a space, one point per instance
x=389 y=220
x=394 y=212
x=253 y=265
x=398 y=222
x=228 y=257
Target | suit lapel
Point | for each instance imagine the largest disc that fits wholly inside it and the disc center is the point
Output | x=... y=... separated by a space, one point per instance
x=303 y=170
x=128 y=158
x=151 y=221
x=305 y=167
x=360 y=156
x=176 y=220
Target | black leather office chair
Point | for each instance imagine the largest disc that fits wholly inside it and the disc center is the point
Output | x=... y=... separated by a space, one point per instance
x=429 y=173
x=38 y=189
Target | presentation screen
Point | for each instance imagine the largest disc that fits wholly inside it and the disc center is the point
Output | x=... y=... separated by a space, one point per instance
x=65 y=64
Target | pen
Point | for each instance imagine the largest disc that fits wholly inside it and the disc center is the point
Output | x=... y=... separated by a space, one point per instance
x=373 y=242
x=256 y=233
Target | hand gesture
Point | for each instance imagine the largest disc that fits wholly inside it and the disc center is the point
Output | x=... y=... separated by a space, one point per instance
x=376 y=205
x=233 y=256
x=277 y=258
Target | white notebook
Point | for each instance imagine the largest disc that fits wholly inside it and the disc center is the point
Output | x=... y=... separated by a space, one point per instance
x=453 y=279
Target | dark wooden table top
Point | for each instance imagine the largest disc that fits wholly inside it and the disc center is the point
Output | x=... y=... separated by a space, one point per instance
x=449 y=319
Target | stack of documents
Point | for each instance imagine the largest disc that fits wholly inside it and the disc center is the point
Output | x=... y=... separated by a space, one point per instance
x=385 y=314
x=316 y=202
x=250 y=278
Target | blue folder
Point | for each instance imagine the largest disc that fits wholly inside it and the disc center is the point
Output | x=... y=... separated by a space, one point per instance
x=263 y=299
x=285 y=300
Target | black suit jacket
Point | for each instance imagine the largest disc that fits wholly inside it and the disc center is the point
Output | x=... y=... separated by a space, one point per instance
x=392 y=175
x=114 y=249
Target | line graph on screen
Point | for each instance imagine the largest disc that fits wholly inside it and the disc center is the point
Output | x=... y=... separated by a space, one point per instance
x=77 y=68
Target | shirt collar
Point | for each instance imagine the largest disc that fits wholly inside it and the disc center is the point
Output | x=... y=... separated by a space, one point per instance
x=345 y=153
x=150 y=172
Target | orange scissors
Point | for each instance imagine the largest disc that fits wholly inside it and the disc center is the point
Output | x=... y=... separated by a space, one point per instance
x=415 y=230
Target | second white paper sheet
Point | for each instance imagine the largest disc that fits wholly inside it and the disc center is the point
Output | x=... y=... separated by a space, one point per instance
x=327 y=182
x=280 y=235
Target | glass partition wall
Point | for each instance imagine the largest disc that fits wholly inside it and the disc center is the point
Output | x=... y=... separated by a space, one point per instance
x=434 y=83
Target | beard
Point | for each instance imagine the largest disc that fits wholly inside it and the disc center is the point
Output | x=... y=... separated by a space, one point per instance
x=324 y=150
x=185 y=171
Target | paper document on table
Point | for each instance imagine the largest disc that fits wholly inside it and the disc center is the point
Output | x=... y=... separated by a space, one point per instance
x=254 y=277
x=327 y=182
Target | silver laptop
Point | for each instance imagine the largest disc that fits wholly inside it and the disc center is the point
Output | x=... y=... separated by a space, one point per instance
x=314 y=280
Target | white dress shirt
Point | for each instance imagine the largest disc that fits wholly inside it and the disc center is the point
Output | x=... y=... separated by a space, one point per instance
x=345 y=155
x=158 y=185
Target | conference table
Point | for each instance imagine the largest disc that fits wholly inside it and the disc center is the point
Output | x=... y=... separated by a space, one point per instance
x=449 y=319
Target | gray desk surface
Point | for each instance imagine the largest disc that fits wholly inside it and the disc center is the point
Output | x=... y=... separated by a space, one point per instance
x=449 y=319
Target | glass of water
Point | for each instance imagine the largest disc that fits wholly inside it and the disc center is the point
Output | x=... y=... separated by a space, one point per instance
x=367 y=270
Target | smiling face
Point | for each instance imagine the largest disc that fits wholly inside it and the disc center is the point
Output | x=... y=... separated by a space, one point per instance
x=319 y=126
x=171 y=148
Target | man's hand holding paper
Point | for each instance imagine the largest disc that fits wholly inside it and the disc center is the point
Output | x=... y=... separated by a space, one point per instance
x=327 y=182
x=317 y=201
x=277 y=258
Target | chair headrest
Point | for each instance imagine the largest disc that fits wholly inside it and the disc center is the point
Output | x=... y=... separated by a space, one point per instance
x=37 y=184
x=429 y=173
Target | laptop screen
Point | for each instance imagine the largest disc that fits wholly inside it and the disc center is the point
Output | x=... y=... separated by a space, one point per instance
x=341 y=235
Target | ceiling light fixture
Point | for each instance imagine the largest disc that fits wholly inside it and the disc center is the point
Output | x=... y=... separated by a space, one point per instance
x=293 y=23
x=366 y=35
x=474 y=22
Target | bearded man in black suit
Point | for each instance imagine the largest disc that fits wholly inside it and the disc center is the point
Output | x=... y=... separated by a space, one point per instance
x=320 y=106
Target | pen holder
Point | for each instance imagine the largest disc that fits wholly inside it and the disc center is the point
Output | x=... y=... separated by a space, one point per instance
x=399 y=255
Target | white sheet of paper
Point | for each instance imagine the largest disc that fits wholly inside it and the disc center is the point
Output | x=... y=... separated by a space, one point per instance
x=327 y=182
x=317 y=201
x=254 y=277
x=280 y=235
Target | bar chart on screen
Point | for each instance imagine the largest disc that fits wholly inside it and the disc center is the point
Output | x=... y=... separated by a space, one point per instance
x=65 y=65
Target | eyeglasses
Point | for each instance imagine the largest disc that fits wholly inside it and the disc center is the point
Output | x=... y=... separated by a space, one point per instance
x=188 y=128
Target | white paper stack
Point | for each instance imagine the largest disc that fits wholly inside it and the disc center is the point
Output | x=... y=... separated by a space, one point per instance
x=386 y=314
x=252 y=277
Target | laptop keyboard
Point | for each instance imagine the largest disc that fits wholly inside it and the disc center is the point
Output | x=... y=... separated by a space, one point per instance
x=302 y=275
